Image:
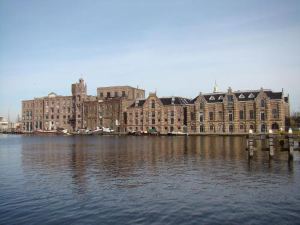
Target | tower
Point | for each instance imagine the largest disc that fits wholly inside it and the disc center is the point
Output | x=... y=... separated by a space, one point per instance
x=79 y=93
x=216 y=88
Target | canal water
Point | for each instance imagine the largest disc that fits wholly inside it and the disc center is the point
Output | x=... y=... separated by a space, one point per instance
x=144 y=180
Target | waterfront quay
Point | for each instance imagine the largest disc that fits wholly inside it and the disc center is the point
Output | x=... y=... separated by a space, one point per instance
x=125 y=109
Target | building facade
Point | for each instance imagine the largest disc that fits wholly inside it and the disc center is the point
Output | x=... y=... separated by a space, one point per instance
x=162 y=115
x=54 y=111
x=110 y=108
x=217 y=112
x=240 y=111
x=125 y=109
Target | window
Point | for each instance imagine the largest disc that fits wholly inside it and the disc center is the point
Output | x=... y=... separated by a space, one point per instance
x=220 y=98
x=211 y=128
x=201 y=117
x=116 y=94
x=153 y=121
x=153 y=114
x=275 y=113
x=108 y=95
x=263 y=128
x=230 y=98
x=153 y=104
x=220 y=115
x=211 y=115
x=230 y=116
x=192 y=116
x=231 y=129
x=201 y=105
x=262 y=116
x=172 y=113
x=212 y=98
x=242 y=96
x=101 y=94
x=202 y=129
x=123 y=94
x=262 y=103
x=251 y=114
x=57 y=117
x=241 y=115
x=172 y=120
x=251 y=96
x=241 y=127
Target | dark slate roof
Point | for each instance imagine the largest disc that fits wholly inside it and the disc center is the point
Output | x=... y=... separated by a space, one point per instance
x=140 y=103
x=274 y=95
x=167 y=101
x=216 y=96
x=238 y=94
x=177 y=101
x=247 y=95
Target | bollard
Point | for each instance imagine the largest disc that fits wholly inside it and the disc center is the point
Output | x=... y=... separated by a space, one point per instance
x=251 y=147
x=271 y=145
x=291 y=146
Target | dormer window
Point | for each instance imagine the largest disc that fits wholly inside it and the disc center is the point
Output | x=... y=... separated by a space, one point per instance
x=251 y=96
x=221 y=97
x=242 y=96
x=212 y=98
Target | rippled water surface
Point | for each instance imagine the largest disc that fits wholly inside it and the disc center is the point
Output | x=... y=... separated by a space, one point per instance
x=144 y=180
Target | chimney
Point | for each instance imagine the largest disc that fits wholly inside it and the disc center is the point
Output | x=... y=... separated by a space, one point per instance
x=173 y=100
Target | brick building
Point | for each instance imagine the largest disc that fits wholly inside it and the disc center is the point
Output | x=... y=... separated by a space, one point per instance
x=217 y=112
x=125 y=109
x=160 y=114
x=55 y=111
x=110 y=108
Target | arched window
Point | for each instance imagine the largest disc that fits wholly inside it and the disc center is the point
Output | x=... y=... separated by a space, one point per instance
x=262 y=103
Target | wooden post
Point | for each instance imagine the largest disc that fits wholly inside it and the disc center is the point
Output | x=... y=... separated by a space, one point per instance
x=291 y=146
x=271 y=145
x=250 y=145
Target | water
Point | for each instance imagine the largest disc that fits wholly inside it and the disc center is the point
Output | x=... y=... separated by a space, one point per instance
x=144 y=180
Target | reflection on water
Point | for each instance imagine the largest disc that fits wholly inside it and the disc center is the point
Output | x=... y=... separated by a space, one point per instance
x=148 y=180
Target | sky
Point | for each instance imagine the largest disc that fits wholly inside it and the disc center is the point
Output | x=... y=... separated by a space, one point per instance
x=173 y=47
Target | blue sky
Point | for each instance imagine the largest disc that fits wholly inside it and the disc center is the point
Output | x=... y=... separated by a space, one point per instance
x=174 y=47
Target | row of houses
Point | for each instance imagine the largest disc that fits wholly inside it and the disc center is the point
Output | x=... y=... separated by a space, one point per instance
x=126 y=109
